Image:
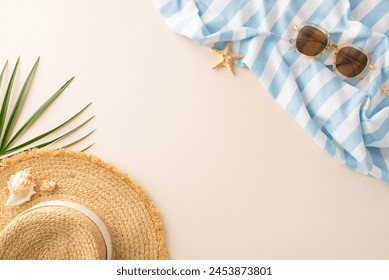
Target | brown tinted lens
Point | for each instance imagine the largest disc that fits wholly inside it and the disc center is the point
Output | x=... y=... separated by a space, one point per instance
x=311 y=41
x=350 y=61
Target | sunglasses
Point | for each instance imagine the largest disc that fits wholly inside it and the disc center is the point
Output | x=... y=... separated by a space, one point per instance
x=313 y=41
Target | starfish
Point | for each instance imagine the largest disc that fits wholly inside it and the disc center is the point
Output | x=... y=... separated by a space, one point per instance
x=226 y=58
x=385 y=90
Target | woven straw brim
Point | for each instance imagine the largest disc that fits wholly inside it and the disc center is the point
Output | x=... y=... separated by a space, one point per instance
x=52 y=233
x=132 y=221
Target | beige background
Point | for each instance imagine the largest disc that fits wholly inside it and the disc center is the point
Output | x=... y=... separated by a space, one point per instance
x=232 y=174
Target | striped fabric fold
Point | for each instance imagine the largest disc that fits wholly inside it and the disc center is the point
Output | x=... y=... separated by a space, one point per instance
x=349 y=119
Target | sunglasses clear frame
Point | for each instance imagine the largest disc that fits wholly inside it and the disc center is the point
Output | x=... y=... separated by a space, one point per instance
x=332 y=47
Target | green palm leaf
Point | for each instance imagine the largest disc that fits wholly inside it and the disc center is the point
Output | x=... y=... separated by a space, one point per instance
x=7 y=125
x=64 y=135
x=38 y=112
x=43 y=135
x=79 y=140
x=18 y=106
x=86 y=148
x=7 y=96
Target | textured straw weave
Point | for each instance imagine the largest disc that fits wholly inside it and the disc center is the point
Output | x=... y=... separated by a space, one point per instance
x=55 y=232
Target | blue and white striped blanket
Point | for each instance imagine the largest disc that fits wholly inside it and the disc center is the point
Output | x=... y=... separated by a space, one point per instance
x=349 y=119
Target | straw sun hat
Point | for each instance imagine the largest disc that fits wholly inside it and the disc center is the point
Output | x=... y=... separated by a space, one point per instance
x=82 y=208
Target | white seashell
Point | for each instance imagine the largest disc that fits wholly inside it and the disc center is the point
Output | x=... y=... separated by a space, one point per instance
x=48 y=186
x=21 y=188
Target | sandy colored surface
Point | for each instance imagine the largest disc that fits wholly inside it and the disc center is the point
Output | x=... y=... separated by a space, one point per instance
x=232 y=174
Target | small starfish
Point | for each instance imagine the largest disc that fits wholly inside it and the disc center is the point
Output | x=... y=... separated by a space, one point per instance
x=385 y=90
x=226 y=58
